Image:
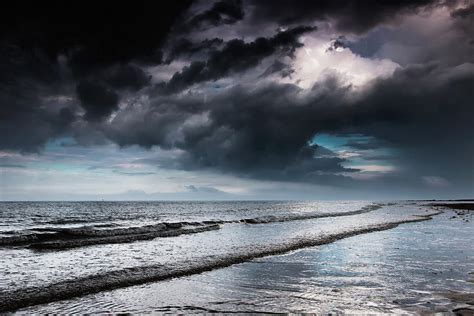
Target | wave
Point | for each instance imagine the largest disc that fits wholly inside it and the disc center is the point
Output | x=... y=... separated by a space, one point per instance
x=13 y=300
x=17 y=240
x=64 y=238
x=297 y=217
x=63 y=221
x=120 y=238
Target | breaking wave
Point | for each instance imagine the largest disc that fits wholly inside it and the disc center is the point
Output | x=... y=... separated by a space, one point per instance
x=64 y=238
x=296 y=217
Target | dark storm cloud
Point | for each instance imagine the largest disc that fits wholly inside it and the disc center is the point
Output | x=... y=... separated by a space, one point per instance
x=99 y=92
x=97 y=41
x=235 y=56
x=93 y=34
x=221 y=12
x=61 y=59
x=98 y=101
x=349 y=15
x=26 y=125
x=262 y=133
x=426 y=113
x=423 y=112
x=127 y=77
x=27 y=118
x=186 y=48
x=402 y=44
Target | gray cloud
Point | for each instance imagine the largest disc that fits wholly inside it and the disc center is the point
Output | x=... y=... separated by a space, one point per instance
x=221 y=12
x=185 y=47
x=235 y=56
x=278 y=67
x=348 y=15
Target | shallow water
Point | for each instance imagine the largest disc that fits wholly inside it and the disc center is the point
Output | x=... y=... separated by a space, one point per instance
x=387 y=271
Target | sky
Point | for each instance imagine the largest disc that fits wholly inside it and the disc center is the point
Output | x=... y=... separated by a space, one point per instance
x=237 y=99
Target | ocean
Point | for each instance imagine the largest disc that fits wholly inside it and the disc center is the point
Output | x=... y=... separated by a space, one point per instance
x=233 y=256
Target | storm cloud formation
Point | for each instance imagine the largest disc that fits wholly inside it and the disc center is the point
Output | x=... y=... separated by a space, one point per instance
x=348 y=16
x=225 y=84
x=48 y=48
x=235 y=56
